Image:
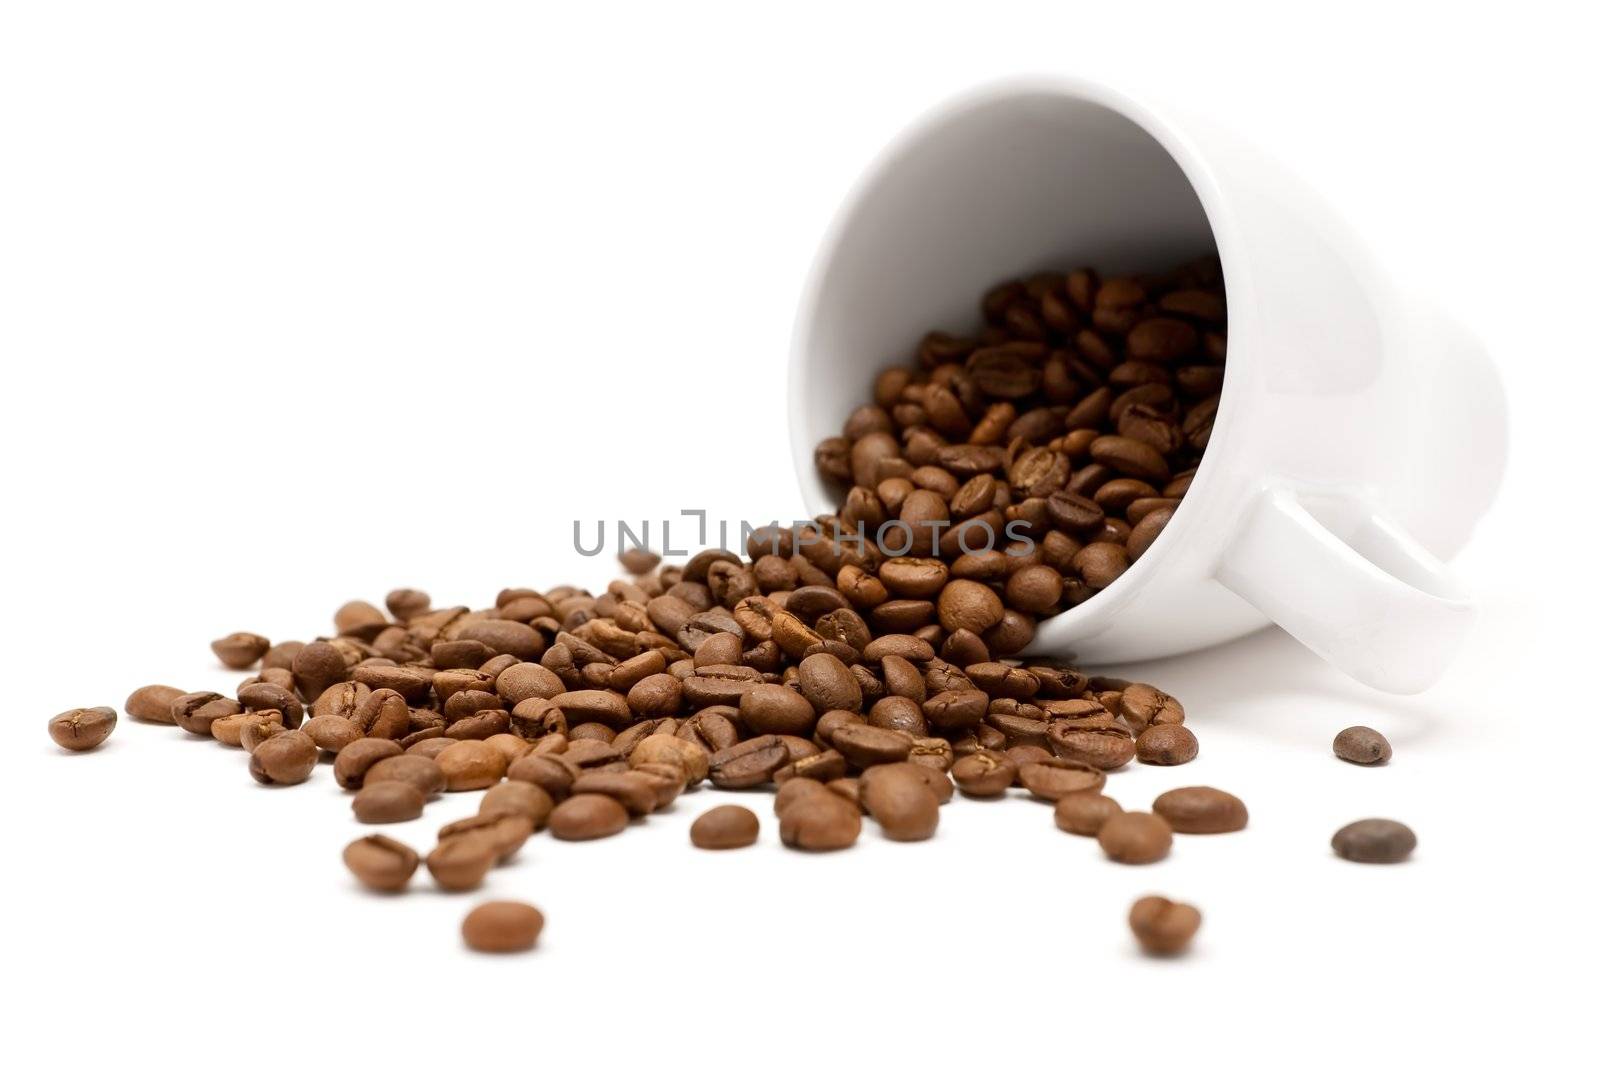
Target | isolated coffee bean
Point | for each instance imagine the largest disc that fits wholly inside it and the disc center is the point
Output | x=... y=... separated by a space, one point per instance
x=1362 y=744
x=380 y=863
x=1162 y=927
x=286 y=759
x=588 y=816
x=502 y=926
x=1375 y=841
x=1135 y=837
x=1200 y=809
x=1167 y=746
x=1084 y=813
x=240 y=651
x=83 y=728
x=152 y=703
x=725 y=826
x=386 y=802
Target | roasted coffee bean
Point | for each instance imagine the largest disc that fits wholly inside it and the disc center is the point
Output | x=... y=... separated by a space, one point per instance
x=502 y=925
x=828 y=684
x=1162 y=927
x=195 y=712
x=83 y=728
x=460 y=863
x=380 y=863
x=1135 y=837
x=286 y=759
x=1375 y=841
x=355 y=759
x=777 y=709
x=419 y=772
x=1166 y=745
x=1084 y=813
x=588 y=816
x=1105 y=747
x=152 y=703
x=725 y=826
x=820 y=821
x=503 y=832
x=899 y=799
x=865 y=746
x=1144 y=706
x=1200 y=809
x=240 y=651
x=518 y=798
x=691 y=759
x=332 y=733
x=748 y=763
x=1053 y=778
x=1362 y=744
x=633 y=789
x=471 y=764
x=983 y=774
x=385 y=802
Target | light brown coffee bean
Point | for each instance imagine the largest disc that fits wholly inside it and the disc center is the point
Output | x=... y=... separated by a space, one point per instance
x=1162 y=927
x=286 y=759
x=81 y=729
x=461 y=863
x=240 y=651
x=195 y=712
x=1167 y=746
x=419 y=772
x=380 y=863
x=692 y=759
x=898 y=798
x=513 y=797
x=502 y=926
x=1135 y=837
x=1362 y=744
x=350 y=766
x=152 y=703
x=725 y=826
x=469 y=765
x=1199 y=809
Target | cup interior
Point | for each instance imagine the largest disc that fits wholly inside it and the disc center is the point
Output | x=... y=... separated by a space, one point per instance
x=1004 y=184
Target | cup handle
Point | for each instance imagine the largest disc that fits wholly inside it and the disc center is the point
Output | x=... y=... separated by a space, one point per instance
x=1368 y=598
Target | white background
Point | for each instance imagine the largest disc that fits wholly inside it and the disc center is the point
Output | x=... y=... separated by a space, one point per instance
x=301 y=302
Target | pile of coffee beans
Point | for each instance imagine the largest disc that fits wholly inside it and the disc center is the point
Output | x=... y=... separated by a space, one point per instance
x=857 y=678
x=1040 y=456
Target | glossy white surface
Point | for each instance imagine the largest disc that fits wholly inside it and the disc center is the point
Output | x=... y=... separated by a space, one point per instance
x=1336 y=390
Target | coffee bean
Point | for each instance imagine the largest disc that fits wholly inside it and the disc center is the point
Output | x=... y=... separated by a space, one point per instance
x=1375 y=841
x=286 y=759
x=1052 y=778
x=469 y=765
x=1084 y=813
x=240 y=651
x=634 y=790
x=502 y=926
x=1200 y=809
x=1362 y=744
x=777 y=709
x=1104 y=747
x=725 y=826
x=748 y=763
x=385 y=802
x=983 y=774
x=380 y=863
x=588 y=816
x=83 y=728
x=692 y=759
x=461 y=863
x=419 y=772
x=828 y=684
x=152 y=703
x=503 y=833
x=355 y=759
x=1144 y=706
x=1135 y=837
x=969 y=605
x=897 y=796
x=819 y=821
x=518 y=798
x=1162 y=927
x=195 y=712
x=865 y=745
x=1167 y=745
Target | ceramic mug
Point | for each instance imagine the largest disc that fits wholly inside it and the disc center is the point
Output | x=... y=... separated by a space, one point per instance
x=1359 y=435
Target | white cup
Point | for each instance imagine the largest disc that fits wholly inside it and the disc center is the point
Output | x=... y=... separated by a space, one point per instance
x=1359 y=435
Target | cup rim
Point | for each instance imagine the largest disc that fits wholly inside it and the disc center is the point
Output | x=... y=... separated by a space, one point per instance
x=1094 y=614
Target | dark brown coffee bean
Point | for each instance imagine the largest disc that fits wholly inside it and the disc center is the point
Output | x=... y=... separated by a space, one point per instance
x=502 y=926
x=286 y=759
x=1135 y=837
x=240 y=651
x=1200 y=809
x=81 y=729
x=386 y=802
x=1084 y=813
x=588 y=816
x=1375 y=841
x=380 y=863
x=828 y=684
x=725 y=826
x=1166 y=746
x=1162 y=927
x=748 y=763
x=1362 y=744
